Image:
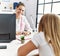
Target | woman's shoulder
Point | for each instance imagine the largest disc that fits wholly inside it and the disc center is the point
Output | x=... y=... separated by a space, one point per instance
x=39 y=39
x=39 y=34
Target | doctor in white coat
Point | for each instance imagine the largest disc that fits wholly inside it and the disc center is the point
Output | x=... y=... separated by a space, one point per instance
x=22 y=25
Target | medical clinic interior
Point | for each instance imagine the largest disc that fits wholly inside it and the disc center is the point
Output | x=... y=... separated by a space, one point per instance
x=29 y=27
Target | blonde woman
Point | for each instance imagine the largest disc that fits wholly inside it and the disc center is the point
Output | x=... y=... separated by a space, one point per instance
x=47 y=40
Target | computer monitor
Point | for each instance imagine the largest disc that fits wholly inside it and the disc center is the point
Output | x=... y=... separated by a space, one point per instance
x=7 y=27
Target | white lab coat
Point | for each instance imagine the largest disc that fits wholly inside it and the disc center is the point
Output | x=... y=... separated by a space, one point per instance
x=25 y=24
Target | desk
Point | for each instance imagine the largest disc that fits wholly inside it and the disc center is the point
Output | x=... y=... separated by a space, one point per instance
x=12 y=48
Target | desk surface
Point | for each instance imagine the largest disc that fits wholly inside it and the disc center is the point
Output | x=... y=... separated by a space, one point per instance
x=12 y=48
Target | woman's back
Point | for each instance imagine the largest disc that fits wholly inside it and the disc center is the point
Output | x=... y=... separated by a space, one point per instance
x=40 y=42
x=47 y=40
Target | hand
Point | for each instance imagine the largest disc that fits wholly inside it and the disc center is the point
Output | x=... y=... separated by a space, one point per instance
x=26 y=33
x=23 y=33
x=18 y=33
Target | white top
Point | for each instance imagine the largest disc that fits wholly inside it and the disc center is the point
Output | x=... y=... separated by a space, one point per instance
x=22 y=24
x=40 y=42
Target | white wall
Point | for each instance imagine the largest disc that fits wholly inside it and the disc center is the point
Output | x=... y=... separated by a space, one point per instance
x=15 y=0
x=5 y=6
x=31 y=11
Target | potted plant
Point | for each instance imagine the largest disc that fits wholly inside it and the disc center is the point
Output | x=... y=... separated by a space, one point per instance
x=22 y=39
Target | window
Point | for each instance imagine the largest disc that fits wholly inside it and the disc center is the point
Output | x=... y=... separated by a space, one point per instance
x=47 y=6
x=55 y=0
x=39 y=18
x=56 y=8
x=40 y=9
x=46 y=1
x=41 y=1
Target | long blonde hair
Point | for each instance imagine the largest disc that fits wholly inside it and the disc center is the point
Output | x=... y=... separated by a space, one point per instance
x=50 y=25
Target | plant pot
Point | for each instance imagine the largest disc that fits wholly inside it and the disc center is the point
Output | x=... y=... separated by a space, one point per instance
x=22 y=41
